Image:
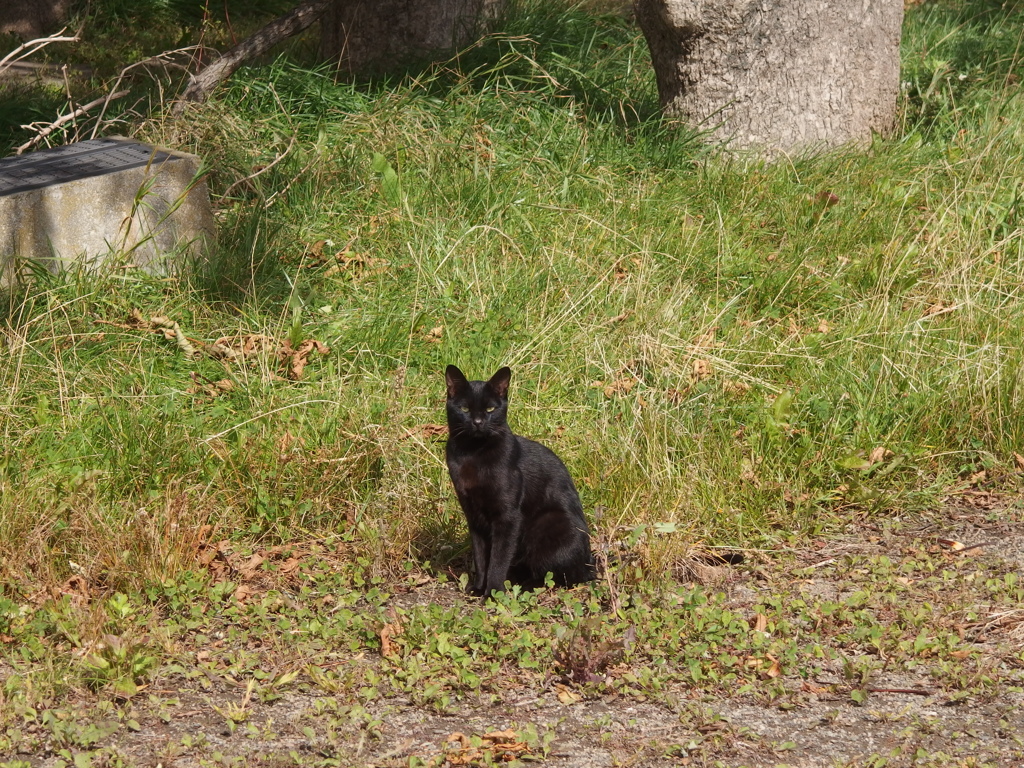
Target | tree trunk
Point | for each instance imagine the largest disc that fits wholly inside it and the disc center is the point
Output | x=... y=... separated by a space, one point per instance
x=780 y=75
x=371 y=35
x=29 y=19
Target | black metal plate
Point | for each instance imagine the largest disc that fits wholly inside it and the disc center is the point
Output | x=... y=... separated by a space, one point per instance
x=81 y=160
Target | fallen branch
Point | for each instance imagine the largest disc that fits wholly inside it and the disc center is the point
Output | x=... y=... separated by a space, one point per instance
x=47 y=130
x=258 y=43
x=164 y=60
x=25 y=50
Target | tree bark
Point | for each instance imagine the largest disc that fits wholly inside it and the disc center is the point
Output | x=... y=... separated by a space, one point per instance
x=373 y=35
x=258 y=43
x=32 y=18
x=780 y=75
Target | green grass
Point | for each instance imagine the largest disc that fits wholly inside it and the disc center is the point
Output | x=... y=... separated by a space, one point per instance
x=711 y=348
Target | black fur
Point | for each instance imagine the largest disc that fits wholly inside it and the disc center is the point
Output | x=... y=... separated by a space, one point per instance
x=524 y=514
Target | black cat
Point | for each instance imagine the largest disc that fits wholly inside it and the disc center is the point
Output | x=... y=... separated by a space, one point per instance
x=524 y=514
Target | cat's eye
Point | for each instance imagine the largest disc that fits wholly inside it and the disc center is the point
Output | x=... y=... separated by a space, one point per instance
x=464 y=408
x=490 y=408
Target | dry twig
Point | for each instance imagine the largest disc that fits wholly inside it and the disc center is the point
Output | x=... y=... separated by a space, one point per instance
x=25 y=50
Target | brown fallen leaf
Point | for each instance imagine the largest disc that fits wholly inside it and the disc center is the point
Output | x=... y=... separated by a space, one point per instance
x=567 y=695
x=938 y=308
x=388 y=631
x=700 y=370
x=977 y=477
x=811 y=688
x=706 y=339
x=502 y=737
x=243 y=592
x=736 y=387
x=760 y=623
x=287 y=441
x=251 y=567
x=879 y=454
x=295 y=359
x=208 y=388
x=1019 y=459
x=621 y=386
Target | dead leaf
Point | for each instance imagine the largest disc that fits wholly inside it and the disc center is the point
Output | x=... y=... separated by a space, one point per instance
x=700 y=370
x=938 y=308
x=168 y=328
x=706 y=339
x=736 y=387
x=810 y=688
x=675 y=396
x=823 y=327
x=434 y=334
x=208 y=388
x=354 y=265
x=500 y=737
x=879 y=454
x=760 y=623
x=952 y=544
x=295 y=359
x=566 y=695
x=287 y=441
x=251 y=567
x=1019 y=459
x=388 y=631
x=826 y=199
x=621 y=386
x=243 y=592
x=77 y=588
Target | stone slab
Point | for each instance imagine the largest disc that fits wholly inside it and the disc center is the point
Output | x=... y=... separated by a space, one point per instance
x=100 y=199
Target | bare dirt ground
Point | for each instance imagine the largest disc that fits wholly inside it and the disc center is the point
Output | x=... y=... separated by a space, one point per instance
x=926 y=711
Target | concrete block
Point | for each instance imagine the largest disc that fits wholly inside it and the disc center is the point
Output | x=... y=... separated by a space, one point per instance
x=100 y=198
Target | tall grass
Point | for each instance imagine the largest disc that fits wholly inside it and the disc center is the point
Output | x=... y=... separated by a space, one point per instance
x=725 y=352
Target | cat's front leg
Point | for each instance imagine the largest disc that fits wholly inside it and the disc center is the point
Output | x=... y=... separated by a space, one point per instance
x=504 y=540
x=481 y=554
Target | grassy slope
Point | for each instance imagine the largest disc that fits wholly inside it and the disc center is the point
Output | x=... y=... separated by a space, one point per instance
x=705 y=341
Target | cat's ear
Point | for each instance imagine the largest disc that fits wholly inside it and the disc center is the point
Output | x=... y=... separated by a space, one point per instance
x=499 y=382
x=455 y=380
